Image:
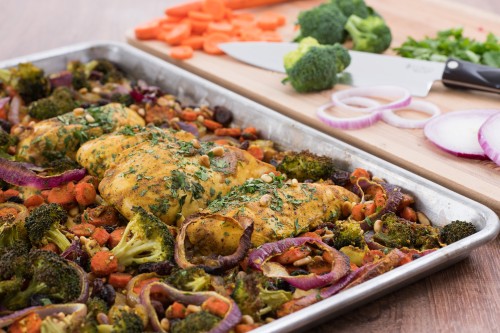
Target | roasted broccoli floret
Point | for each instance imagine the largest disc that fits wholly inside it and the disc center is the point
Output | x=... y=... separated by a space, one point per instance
x=305 y=165
x=347 y=233
x=325 y=23
x=254 y=297
x=14 y=266
x=79 y=77
x=6 y=140
x=12 y=228
x=352 y=7
x=30 y=82
x=314 y=67
x=370 y=34
x=123 y=319
x=106 y=69
x=56 y=166
x=146 y=239
x=59 y=102
x=456 y=230
x=201 y=321
x=49 y=275
x=398 y=232
x=44 y=223
x=190 y=279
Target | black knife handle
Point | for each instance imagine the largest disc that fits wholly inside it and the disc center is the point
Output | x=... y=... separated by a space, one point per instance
x=462 y=74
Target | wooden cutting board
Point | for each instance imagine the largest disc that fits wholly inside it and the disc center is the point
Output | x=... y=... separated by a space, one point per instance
x=479 y=180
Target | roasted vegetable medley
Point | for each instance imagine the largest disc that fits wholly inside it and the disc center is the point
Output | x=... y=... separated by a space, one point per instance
x=126 y=209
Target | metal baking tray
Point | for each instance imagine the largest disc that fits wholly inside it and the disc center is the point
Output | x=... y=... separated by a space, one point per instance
x=438 y=203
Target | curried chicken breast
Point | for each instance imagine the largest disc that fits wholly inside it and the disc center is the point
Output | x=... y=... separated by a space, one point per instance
x=63 y=135
x=174 y=179
x=278 y=211
x=98 y=154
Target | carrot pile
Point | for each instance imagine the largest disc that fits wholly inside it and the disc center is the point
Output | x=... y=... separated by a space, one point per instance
x=202 y=25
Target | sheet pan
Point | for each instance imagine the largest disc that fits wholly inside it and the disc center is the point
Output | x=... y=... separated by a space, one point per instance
x=438 y=203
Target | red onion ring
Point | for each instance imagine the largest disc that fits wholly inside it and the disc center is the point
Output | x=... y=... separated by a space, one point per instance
x=77 y=310
x=132 y=297
x=489 y=138
x=259 y=259
x=17 y=174
x=392 y=118
x=230 y=320
x=400 y=97
x=84 y=282
x=347 y=123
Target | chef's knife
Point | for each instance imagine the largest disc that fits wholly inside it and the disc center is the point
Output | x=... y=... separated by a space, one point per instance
x=369 y=69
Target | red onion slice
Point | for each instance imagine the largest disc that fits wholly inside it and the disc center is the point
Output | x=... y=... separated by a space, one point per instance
x=347 y=123
x=77 y=310
x=398 y=96
x=457 y=132
x=230 y=320
x=260 y=259
x=489 y=137
x=15 y=106
x=392 y=118
x=17 y=174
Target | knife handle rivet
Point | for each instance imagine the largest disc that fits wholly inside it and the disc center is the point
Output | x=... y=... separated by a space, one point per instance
x=452 y=64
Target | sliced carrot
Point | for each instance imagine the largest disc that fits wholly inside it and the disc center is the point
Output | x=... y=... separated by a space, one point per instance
x=50 y=247
x=32 y=323
x=211 y=124
x=311 y=234
x=62 y=195
x=91 y=180
x=183 y=9
x=244 y=328
x=103 y=263
x=244 y=16
x=181 y=52
x=358 y=173
x=85 y=194
x=215 y=306
x=196 y=42
x=200 y=16
x=141 y=284
x=216 y=8
x=270 y=21
x=189 y=115
x=176 y=311
x=243 y=4
x=11 y=193
x=293 y=254
x=119 y=280
x=100 y=216
x=115 y=237
x=100 y=235
x=256 y=152
x=250 y=34
x=83 y=229
x=233 y=131
x=166 y=27
x=409 y=214
x=149 y=30
x=198 y=27
x=180 y=32
x=172 y=19
x=358 y=212
x=211 y=42
x=222 y=27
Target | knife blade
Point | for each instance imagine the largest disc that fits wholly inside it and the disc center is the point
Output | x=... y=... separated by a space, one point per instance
x=369 y=69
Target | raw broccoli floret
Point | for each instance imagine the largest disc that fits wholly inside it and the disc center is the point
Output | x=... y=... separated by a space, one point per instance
x=30 y=82
x=370 y=34
x=202 y=321
x=352 y=7
x=59 y=102
x=190 y=279
x=44 y=226
x=123 y=319
x=325 y=23
x=347 y=233
x=314 y=67
x=457 y=230
x=146 y=239
x=305 y=165
x=396 y=232
x=51 y=276
x=254 y=298
x=12 y=229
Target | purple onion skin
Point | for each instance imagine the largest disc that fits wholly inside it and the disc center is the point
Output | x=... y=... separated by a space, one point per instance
x=231 y=319
x=221 y=263
x=62 y=79
x=340 y=266
x=79 y=311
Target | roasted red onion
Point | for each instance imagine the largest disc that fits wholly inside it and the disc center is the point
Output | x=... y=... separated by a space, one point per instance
x=77 y=310
x=15 y=107
x=84 y=283
x=62 y=79
x=221 y=263
x=17 y=174
x=260 y=259
x=232 y=317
